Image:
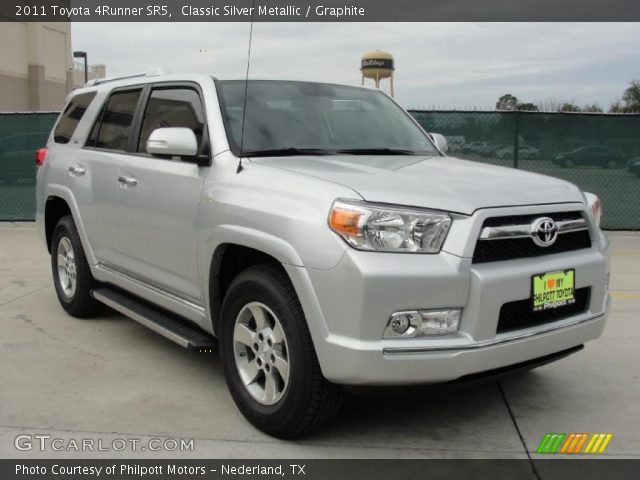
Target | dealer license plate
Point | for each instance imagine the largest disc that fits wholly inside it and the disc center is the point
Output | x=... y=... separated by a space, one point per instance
x=553 y=290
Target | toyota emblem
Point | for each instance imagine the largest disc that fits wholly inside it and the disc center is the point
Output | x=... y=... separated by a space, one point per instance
x=544 y=231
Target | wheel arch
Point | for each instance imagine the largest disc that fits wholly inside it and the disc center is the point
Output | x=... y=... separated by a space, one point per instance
x=59 y=202
x=228 y=261
x=229 y=249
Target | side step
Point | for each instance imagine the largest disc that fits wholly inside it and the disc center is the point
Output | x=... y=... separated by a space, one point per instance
x=160 y=322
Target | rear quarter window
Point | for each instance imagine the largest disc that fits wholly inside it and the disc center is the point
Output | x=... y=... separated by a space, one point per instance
x=71 y=116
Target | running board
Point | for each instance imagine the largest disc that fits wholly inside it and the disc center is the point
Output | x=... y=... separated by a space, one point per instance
x=155 y=319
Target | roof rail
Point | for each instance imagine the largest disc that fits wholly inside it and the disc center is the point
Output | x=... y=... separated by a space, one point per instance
x=99 y=81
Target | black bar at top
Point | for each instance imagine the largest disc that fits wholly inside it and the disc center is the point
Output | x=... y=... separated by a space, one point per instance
x=320 y=10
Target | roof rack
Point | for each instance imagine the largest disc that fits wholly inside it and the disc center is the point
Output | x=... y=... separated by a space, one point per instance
x=99 y=81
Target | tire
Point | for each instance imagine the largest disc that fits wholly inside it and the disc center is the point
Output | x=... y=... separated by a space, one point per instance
x=612 y=164
x=304 y=400
x=72 y=280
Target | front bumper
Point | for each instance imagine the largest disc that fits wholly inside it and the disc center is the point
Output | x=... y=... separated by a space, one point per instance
x=349 y=306
x=423 y=365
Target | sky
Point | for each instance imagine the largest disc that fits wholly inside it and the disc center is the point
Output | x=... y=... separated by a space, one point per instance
x=441 y=65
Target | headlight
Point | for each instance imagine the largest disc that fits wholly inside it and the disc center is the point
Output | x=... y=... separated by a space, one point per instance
x=595 y=207
x=367 y=226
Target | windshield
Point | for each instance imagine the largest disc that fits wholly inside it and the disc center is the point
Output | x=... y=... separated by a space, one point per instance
x=300 y=118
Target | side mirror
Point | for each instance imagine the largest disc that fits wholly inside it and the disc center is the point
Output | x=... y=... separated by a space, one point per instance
x=440 y=142
x=173 y=141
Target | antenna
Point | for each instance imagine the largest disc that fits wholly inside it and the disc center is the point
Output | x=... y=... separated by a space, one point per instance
x=246 y=88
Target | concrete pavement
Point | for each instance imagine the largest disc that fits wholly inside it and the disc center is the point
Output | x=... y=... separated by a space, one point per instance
x=109 y=378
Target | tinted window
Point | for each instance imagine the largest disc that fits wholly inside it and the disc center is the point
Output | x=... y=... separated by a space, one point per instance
x=301 y=115
x=71 y=117
x=172 y=107
x=113 y=129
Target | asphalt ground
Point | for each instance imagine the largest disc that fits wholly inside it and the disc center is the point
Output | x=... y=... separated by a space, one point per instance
x=109 y=379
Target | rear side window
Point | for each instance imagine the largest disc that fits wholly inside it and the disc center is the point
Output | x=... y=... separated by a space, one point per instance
x=71 y=117
x=172 y=107
x=113 y=129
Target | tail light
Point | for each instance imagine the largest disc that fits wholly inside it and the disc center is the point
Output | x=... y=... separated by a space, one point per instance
x=41 y=154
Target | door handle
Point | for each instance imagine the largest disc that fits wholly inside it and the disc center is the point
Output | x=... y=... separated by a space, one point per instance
x=77 y=170
x=127 y=181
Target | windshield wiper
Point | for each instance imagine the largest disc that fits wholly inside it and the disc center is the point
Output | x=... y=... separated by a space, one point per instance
x=287 y=152
x=376 y=151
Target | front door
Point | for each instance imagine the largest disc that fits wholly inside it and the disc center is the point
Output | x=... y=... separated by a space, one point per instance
x=159 y=197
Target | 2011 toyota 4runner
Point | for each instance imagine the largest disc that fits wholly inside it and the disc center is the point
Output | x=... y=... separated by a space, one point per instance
x=318 y=233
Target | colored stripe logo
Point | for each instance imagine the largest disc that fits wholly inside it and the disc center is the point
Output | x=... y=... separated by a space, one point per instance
x=573 y=443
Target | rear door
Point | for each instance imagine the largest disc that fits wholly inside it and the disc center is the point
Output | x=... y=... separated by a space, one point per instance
x=159 y=197
x=94 y=172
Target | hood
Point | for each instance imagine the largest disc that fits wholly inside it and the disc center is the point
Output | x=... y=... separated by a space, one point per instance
x=441 y=183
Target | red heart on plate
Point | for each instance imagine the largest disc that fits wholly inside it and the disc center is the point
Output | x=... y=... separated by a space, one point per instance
x=551 y=283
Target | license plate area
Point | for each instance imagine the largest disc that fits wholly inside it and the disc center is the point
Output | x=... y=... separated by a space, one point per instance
x=553 y=290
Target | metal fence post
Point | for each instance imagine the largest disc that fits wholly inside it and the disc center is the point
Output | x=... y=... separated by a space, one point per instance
x=516 y=139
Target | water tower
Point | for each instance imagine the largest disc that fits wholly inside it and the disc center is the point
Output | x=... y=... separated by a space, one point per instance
x=377 y=65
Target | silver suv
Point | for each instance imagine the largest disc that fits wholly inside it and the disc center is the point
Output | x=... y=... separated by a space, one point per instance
x=318 y=233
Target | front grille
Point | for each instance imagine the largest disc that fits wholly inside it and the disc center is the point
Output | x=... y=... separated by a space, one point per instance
x=513 y=248
x=519 y=314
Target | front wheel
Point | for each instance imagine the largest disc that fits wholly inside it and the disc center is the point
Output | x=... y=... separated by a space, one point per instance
x=269 y=361
x=71 y=274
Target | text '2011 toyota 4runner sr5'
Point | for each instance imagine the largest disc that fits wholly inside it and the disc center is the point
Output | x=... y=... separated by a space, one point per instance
x=318 y=233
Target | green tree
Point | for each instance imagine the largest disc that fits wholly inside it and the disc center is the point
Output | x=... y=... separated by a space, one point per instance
x=527 y=107
x=507 y=102
x=631 y=97
x=569 y=107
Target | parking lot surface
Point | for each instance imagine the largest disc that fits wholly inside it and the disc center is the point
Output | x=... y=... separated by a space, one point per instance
x=109 y=378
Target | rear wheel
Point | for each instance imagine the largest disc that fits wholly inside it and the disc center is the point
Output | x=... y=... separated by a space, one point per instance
x=71 y=274
x=269 y=361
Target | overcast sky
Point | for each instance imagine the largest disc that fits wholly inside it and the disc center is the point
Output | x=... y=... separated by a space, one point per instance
x=446 y=65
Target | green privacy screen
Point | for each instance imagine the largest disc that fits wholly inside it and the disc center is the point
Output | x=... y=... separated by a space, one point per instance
x=21 y=134
x=598 y=152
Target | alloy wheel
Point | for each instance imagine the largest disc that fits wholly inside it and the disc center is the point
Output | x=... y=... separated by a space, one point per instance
x=67 y=273
x=261 y=353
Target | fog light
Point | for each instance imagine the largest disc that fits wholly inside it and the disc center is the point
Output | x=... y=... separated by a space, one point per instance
x=400 y=323
x=418 y=323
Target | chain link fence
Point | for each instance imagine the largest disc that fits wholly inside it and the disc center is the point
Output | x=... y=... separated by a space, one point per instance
x=598 y=152
x=21 y=134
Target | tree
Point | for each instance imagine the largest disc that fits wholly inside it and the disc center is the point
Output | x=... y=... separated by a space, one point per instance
x=569 y=107
x=616 y=107
x=631 y=97
x=527 y=107
x=592 y=108
x=507 y=102
x=549 y=105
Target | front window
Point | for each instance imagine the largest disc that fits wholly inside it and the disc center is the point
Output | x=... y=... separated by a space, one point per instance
x=319 y=119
